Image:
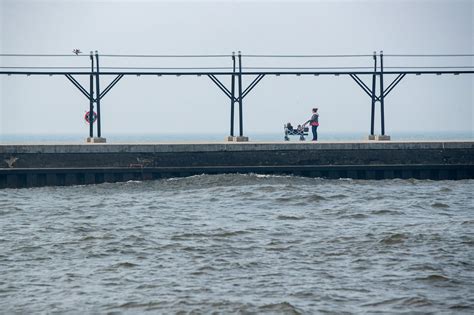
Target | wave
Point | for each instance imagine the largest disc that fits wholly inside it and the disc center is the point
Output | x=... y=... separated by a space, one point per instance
x=267 y=189
x=439 y=205
x=445 y=189
x=354 y=216
x=289 y=217
x=417 y=301
x=129 y=305
x=424 y=267
x=220 y=234
x=284 y=307
x=124 y=265
x=270 y=176
x=302 y=200
x=393 y=239
x=133 y=182
x=435 y=278
x=408 y=301
x=462 y=307
x=387 y=212
x=314 y=198
x=106 y=236
x=290 y=182
x=338 y=196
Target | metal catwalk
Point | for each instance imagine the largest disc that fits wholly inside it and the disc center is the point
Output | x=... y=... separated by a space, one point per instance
x=237 y=92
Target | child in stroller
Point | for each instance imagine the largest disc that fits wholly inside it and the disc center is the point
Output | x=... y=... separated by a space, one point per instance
x=291 y=131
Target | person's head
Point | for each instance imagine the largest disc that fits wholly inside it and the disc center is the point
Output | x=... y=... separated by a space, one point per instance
x=315 y=110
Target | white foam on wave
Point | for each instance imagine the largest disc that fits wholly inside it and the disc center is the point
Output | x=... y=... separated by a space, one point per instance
x=270 y=176
x=186 y=177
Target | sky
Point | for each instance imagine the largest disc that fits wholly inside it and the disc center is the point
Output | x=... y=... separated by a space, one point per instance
x=188 y=105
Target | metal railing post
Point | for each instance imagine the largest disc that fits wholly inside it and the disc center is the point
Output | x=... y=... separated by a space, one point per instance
x=232 y=100
x=382 y=113
x=97 y=88
x=241 y=123
x=372 y=115
x=91 y=98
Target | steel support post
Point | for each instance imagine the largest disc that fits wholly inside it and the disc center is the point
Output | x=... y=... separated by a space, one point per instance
x=97 y=88
x=241 y=123
x=382 y=113
x=232 y=98
x=372 y=115
x=91 y=98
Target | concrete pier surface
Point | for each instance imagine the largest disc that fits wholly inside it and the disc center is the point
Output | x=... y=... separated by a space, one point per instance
x=30 y=165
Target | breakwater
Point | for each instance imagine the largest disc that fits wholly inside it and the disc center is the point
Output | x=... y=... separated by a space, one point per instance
x=78 y=164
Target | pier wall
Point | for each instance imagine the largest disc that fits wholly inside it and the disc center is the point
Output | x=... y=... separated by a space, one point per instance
x=52 y=165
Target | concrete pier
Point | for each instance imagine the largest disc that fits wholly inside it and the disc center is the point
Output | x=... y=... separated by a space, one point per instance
x=71 y=164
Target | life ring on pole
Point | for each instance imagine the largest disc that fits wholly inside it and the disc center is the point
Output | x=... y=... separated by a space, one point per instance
x=87 y=117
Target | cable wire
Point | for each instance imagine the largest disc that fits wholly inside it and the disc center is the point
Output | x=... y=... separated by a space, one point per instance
x=164 y=56
x=36 y=67
x=304 y=56
x=229 y=55
x=44 y=55
x=435 y=67
x=429 y=55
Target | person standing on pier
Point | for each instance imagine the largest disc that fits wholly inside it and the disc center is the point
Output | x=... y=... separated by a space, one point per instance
x=314 y=122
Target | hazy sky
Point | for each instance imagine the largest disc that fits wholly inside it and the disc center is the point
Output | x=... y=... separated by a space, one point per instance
x=194 y=104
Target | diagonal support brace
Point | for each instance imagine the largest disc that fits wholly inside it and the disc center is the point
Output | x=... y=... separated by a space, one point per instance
x=252 y=85
x=393 y=84
x=361 y=84
x=78 y=85
x=110 y=86
x=221 y=86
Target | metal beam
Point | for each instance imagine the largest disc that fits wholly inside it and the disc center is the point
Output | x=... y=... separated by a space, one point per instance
x=253 y=73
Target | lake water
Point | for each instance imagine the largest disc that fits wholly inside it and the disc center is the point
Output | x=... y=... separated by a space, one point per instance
x=239 y=244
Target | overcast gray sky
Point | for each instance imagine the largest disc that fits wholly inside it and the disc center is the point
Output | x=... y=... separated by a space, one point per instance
x=194 y=104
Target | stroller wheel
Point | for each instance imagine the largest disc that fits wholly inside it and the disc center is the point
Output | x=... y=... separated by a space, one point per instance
x=301 y=138
x=287 y=138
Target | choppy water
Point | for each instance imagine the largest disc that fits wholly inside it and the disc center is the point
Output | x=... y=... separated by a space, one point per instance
x=239 y=244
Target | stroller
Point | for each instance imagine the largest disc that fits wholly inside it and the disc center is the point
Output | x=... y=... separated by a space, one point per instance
x=291 y=131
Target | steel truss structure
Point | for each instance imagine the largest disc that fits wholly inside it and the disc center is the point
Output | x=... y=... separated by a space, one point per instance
x=94 y=94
